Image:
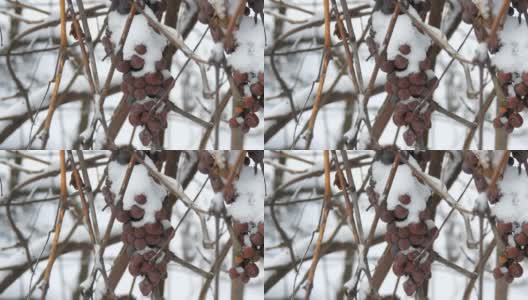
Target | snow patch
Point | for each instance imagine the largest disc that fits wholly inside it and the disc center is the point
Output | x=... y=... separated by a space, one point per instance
x=404 y=184
x=140 y=33
x=512 y=55
x=217 y=203
x=488 y=8
x=404 y=33
x=489 y=159
x=248 y=55
x=140 y=183
x=217 y=52
x=481 y=203
x=249 y=204
x=512 y=206
x=41 y=247
x=481 y=53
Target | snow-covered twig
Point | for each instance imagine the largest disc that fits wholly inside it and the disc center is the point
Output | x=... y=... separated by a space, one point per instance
x=436 y=35
x=173 y=36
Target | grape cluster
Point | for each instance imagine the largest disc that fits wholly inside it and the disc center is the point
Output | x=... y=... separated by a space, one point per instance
x=521 y=6
x=521 y=156
x=411 y=244
x=207 y=165
x=148 y=242
x=471 y=15
x=249 y=84
x=416 y=85
x=515 y=236
x=387 y=6
x=515 y=86
x=471 y=165
x=410 y=87
x=150 y=265
x=415 y=265
x=482 y=173
x=152 y=115
x=146 y=87
x=411 y=241
x=415 y=115
x=123 y=6
x=250 y=235
x=245 y=113
x=257 y=6
x=251 y=238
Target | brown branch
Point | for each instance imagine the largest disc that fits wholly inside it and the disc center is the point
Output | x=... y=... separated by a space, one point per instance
x=189 y=266
x=64 y=248
x=58 y=75
x=479 y=119
x=479 y=269
x=322 y=225
x=498 y=20
x=370 y=88
x=383 y=267
x=327 y=248
x=453 y=266
x=215 y=268
x=326 y=59
x=58 y=226
x=215 y=119
x=84 y=203
x=118 y=119
x=119 y=267
x=65 y=97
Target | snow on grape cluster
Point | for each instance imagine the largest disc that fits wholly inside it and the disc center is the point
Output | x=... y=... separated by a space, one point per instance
x=244 y=198
x=144 y=62
x=410 y=227
x=244 y=49
x=406 y=60
x=146 y=226
x=509 y=206
x=481 y=164
x=509 y=54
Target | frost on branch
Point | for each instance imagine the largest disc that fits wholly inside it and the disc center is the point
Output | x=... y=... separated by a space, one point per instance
x=406 y=60
x=244 y=49
x=410 y=228
x=244 y=198
x=146 y=226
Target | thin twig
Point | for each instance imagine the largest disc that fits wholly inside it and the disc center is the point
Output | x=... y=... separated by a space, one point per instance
x=326 y=59
x=58 y=226
x=322 y=225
